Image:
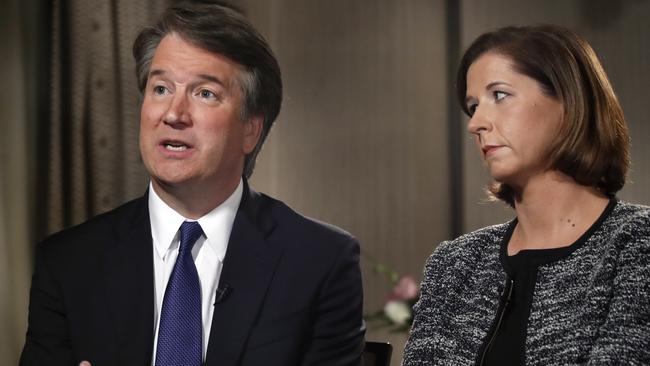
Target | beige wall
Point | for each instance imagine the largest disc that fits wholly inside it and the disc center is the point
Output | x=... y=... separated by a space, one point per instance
x=361 y=139
x=618 y=31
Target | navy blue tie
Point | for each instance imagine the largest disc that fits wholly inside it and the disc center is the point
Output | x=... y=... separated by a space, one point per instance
x=180 y=333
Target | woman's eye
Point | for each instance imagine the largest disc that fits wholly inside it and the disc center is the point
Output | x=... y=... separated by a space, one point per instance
x=498 y=95
x=471 y=108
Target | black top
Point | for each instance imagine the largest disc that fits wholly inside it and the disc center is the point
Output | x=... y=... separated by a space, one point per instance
x=509 y=344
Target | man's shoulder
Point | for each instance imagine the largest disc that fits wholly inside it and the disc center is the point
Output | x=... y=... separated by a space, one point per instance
x=294 y=224
x=100 y=227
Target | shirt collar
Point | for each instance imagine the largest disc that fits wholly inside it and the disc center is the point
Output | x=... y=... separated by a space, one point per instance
x=216 y=224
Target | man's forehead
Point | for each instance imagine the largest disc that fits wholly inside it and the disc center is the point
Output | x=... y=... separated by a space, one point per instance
x=175 y=56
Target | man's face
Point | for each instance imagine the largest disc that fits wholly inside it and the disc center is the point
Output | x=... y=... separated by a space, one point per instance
x=191 y=135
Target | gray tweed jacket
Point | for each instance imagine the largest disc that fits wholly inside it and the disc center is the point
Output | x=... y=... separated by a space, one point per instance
x=591 y=307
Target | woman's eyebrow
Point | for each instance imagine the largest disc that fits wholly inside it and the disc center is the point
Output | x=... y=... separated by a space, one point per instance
x=495 y=83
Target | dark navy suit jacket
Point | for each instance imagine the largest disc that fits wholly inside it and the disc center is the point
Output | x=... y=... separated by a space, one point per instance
x=295 y=292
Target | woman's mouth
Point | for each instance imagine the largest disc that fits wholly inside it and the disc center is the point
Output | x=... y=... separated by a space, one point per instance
x=490 y=149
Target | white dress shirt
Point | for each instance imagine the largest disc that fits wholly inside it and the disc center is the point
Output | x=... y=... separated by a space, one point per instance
x=208 y=252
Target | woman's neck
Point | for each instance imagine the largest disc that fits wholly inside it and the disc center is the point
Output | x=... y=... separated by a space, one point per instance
x=553 y=211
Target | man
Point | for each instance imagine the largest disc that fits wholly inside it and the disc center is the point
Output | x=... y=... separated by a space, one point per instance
x=202 y=269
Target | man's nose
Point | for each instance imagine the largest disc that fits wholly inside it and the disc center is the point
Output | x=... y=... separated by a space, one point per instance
x=177 y=115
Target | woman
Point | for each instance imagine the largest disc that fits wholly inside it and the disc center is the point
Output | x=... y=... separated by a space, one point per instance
x=568 y=280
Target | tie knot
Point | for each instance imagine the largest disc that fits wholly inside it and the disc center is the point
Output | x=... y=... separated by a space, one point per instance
x=190 y=232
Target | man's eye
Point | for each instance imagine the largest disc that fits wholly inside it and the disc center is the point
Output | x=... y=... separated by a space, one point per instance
x=498 y=95
x=159 y=90
x=204 y=93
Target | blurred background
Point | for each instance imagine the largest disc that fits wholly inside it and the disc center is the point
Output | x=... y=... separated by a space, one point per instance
x=370 y=137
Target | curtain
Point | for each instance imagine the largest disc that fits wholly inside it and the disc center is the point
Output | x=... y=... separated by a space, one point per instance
x=93 y=161
x=14 y=197
x=69 y=140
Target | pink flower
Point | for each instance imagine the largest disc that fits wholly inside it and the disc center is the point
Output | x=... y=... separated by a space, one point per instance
x=405 y=289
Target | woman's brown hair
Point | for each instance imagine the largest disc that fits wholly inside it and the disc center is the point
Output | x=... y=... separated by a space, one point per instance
x=593 y=141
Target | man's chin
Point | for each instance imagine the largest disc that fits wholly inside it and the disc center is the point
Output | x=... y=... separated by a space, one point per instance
x=172 y=182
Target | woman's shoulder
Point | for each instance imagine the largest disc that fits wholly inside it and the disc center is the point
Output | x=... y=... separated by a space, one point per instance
x=456 y=259
x=629 y=219
x=484 y=236
x=624 y=233
x=471 y=246
x=632 y=211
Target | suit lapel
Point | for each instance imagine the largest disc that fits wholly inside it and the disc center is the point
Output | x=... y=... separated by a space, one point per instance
x=129 y=283
x=248 y=269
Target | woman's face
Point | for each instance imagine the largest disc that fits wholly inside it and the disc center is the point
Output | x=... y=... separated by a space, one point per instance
x=513 y=121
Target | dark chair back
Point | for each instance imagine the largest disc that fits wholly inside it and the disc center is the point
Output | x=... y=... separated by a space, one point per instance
x=377 y=354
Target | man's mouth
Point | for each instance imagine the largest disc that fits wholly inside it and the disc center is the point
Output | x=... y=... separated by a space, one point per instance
x=175 y=147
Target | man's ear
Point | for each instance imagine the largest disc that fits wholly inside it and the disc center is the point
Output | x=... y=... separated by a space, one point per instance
x=252 y=133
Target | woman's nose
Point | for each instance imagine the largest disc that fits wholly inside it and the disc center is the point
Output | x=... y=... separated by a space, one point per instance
x=479 y=121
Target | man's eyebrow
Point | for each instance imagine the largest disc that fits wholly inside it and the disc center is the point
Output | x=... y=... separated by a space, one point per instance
x=212 y=78
x=156 y=72
x=206 y=77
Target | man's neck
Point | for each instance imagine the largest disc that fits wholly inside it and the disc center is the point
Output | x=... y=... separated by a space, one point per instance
x=193 y=201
